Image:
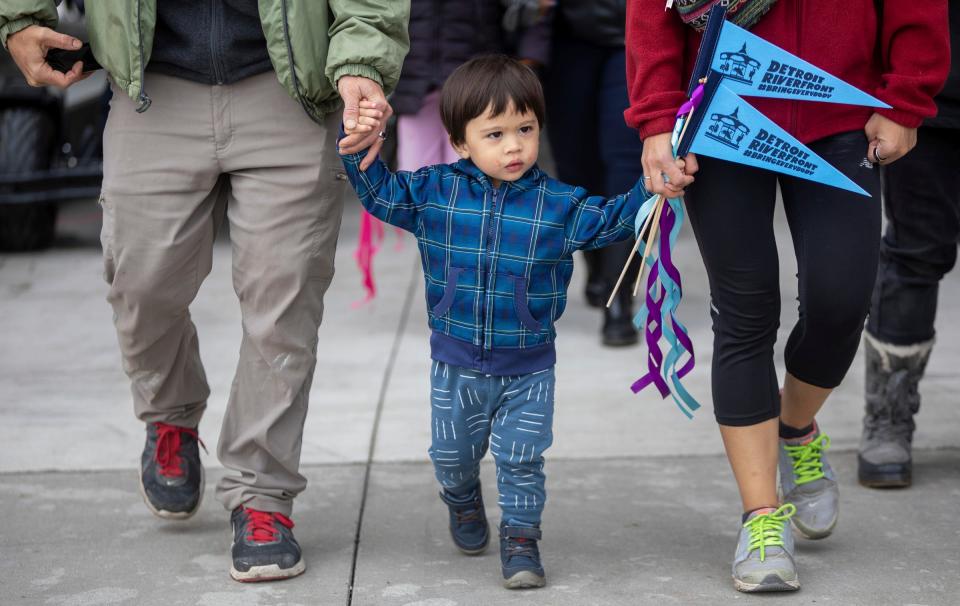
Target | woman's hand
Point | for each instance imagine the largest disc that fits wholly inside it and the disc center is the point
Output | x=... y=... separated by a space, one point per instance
x=658 y=162
x=889 y=141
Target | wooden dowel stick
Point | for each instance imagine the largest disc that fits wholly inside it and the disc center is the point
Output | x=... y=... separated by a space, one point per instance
x=636 y=246
x=651 y=237
x=683 y=130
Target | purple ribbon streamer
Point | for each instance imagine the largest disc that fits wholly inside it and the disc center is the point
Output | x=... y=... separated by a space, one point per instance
x=692 y=103
x=655 y=356
x=666 y=260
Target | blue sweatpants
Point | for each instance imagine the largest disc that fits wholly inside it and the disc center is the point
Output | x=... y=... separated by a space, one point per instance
x=514 y=414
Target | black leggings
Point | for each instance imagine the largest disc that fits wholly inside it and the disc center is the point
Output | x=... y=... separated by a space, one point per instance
x=836 y=236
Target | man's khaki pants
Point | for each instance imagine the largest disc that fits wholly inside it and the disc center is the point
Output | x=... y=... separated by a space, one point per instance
x=248 y=151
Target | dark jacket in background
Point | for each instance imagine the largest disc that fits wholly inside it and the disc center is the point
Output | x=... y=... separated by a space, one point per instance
x=212 y=42
x=443 y=35
x=598 y=21
x=948 y=101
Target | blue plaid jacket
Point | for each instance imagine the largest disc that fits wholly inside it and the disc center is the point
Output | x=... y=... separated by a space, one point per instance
x=497 y=261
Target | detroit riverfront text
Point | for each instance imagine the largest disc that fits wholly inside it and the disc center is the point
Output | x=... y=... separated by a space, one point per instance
x=783 y=78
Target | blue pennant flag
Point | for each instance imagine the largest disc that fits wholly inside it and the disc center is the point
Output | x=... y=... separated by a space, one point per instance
x=753 y=67
x=725 y=126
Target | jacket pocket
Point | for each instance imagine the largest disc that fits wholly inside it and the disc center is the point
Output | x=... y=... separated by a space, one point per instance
x=520 y=304
x=443 y=306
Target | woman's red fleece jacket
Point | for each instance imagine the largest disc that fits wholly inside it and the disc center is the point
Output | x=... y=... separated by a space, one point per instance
x=903 y=61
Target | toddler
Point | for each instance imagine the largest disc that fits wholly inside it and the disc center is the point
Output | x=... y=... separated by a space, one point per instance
x=496 y=237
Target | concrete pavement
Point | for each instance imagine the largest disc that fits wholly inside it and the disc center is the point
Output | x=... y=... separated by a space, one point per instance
x=643 y=508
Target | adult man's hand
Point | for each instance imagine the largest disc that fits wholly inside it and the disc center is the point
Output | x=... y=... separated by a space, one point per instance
x=29 y=47
x=889 y=141
x=362 y=131
x=658 y=161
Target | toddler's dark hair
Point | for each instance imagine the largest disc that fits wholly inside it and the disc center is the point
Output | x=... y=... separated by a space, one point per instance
x=488 y=81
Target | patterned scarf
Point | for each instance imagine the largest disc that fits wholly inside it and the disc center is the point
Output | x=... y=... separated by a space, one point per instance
x=742 y=12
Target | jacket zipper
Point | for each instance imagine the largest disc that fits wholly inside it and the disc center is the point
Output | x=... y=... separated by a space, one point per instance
x=489 y=268
x=214 y=34
x=293 y=69
x=142 y=97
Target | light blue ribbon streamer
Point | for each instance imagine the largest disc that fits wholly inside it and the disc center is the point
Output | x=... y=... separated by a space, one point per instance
x=672 y=294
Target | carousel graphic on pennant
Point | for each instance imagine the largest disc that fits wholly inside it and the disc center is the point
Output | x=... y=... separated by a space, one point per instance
x=727 y=129
x=738 y=65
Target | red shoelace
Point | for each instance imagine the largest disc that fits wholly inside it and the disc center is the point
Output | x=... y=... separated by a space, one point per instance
x=168 y=448
x=261 y=527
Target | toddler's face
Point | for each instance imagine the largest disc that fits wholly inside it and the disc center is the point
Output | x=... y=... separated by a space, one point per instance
x=504 y=147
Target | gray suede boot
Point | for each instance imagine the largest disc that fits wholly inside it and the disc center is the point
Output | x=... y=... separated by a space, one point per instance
x=893 y=376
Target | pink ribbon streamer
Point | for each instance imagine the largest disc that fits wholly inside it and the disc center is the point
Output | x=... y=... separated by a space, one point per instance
x=370 y=240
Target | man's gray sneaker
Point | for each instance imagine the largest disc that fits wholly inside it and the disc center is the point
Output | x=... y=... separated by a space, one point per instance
x=892 y=398
x=263 y=546
x=520 y=557
x=764 y=557
x=171 y=475
x=808 y=482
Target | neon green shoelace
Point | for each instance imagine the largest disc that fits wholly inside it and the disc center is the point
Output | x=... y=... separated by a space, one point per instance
x=766 y=529
x=807 y=461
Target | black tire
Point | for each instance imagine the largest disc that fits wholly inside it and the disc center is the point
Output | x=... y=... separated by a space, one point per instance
x=26 y=137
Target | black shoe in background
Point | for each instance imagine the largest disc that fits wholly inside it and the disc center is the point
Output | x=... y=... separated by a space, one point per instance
x=618 y=329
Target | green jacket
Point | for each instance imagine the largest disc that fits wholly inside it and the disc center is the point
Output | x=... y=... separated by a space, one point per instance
x=312 y=43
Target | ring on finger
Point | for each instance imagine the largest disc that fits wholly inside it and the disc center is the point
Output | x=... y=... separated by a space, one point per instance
x=876 y=154
x=383 y=135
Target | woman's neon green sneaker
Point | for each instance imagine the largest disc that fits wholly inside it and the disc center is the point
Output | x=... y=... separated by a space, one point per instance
x=808 y=481
x=764 y=558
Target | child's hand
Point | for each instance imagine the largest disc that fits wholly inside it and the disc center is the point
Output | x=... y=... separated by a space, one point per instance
x=369 y=118
x=365 y=132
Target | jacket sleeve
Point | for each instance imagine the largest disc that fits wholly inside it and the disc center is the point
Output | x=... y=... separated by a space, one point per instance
x=655 y=47
x=15 y=15
x=915 y=43
x=596 y=221
x=368 y=38
x=394 y=198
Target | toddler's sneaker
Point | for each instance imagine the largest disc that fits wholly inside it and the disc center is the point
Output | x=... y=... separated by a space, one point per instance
x=171 y=475
x=520 y=557
x=808 y=481
x=263 y=546
x=764 y=557
x=468 y=521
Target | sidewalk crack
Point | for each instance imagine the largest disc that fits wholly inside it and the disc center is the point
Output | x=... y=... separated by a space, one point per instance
x=387 y=373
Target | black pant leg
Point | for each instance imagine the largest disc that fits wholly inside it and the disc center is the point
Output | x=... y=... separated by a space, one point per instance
x=621 y=152
x=571 y=110
x=922 y=203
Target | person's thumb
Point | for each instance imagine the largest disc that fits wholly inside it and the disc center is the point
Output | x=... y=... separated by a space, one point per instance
x=52 y=39
x=350 y=114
